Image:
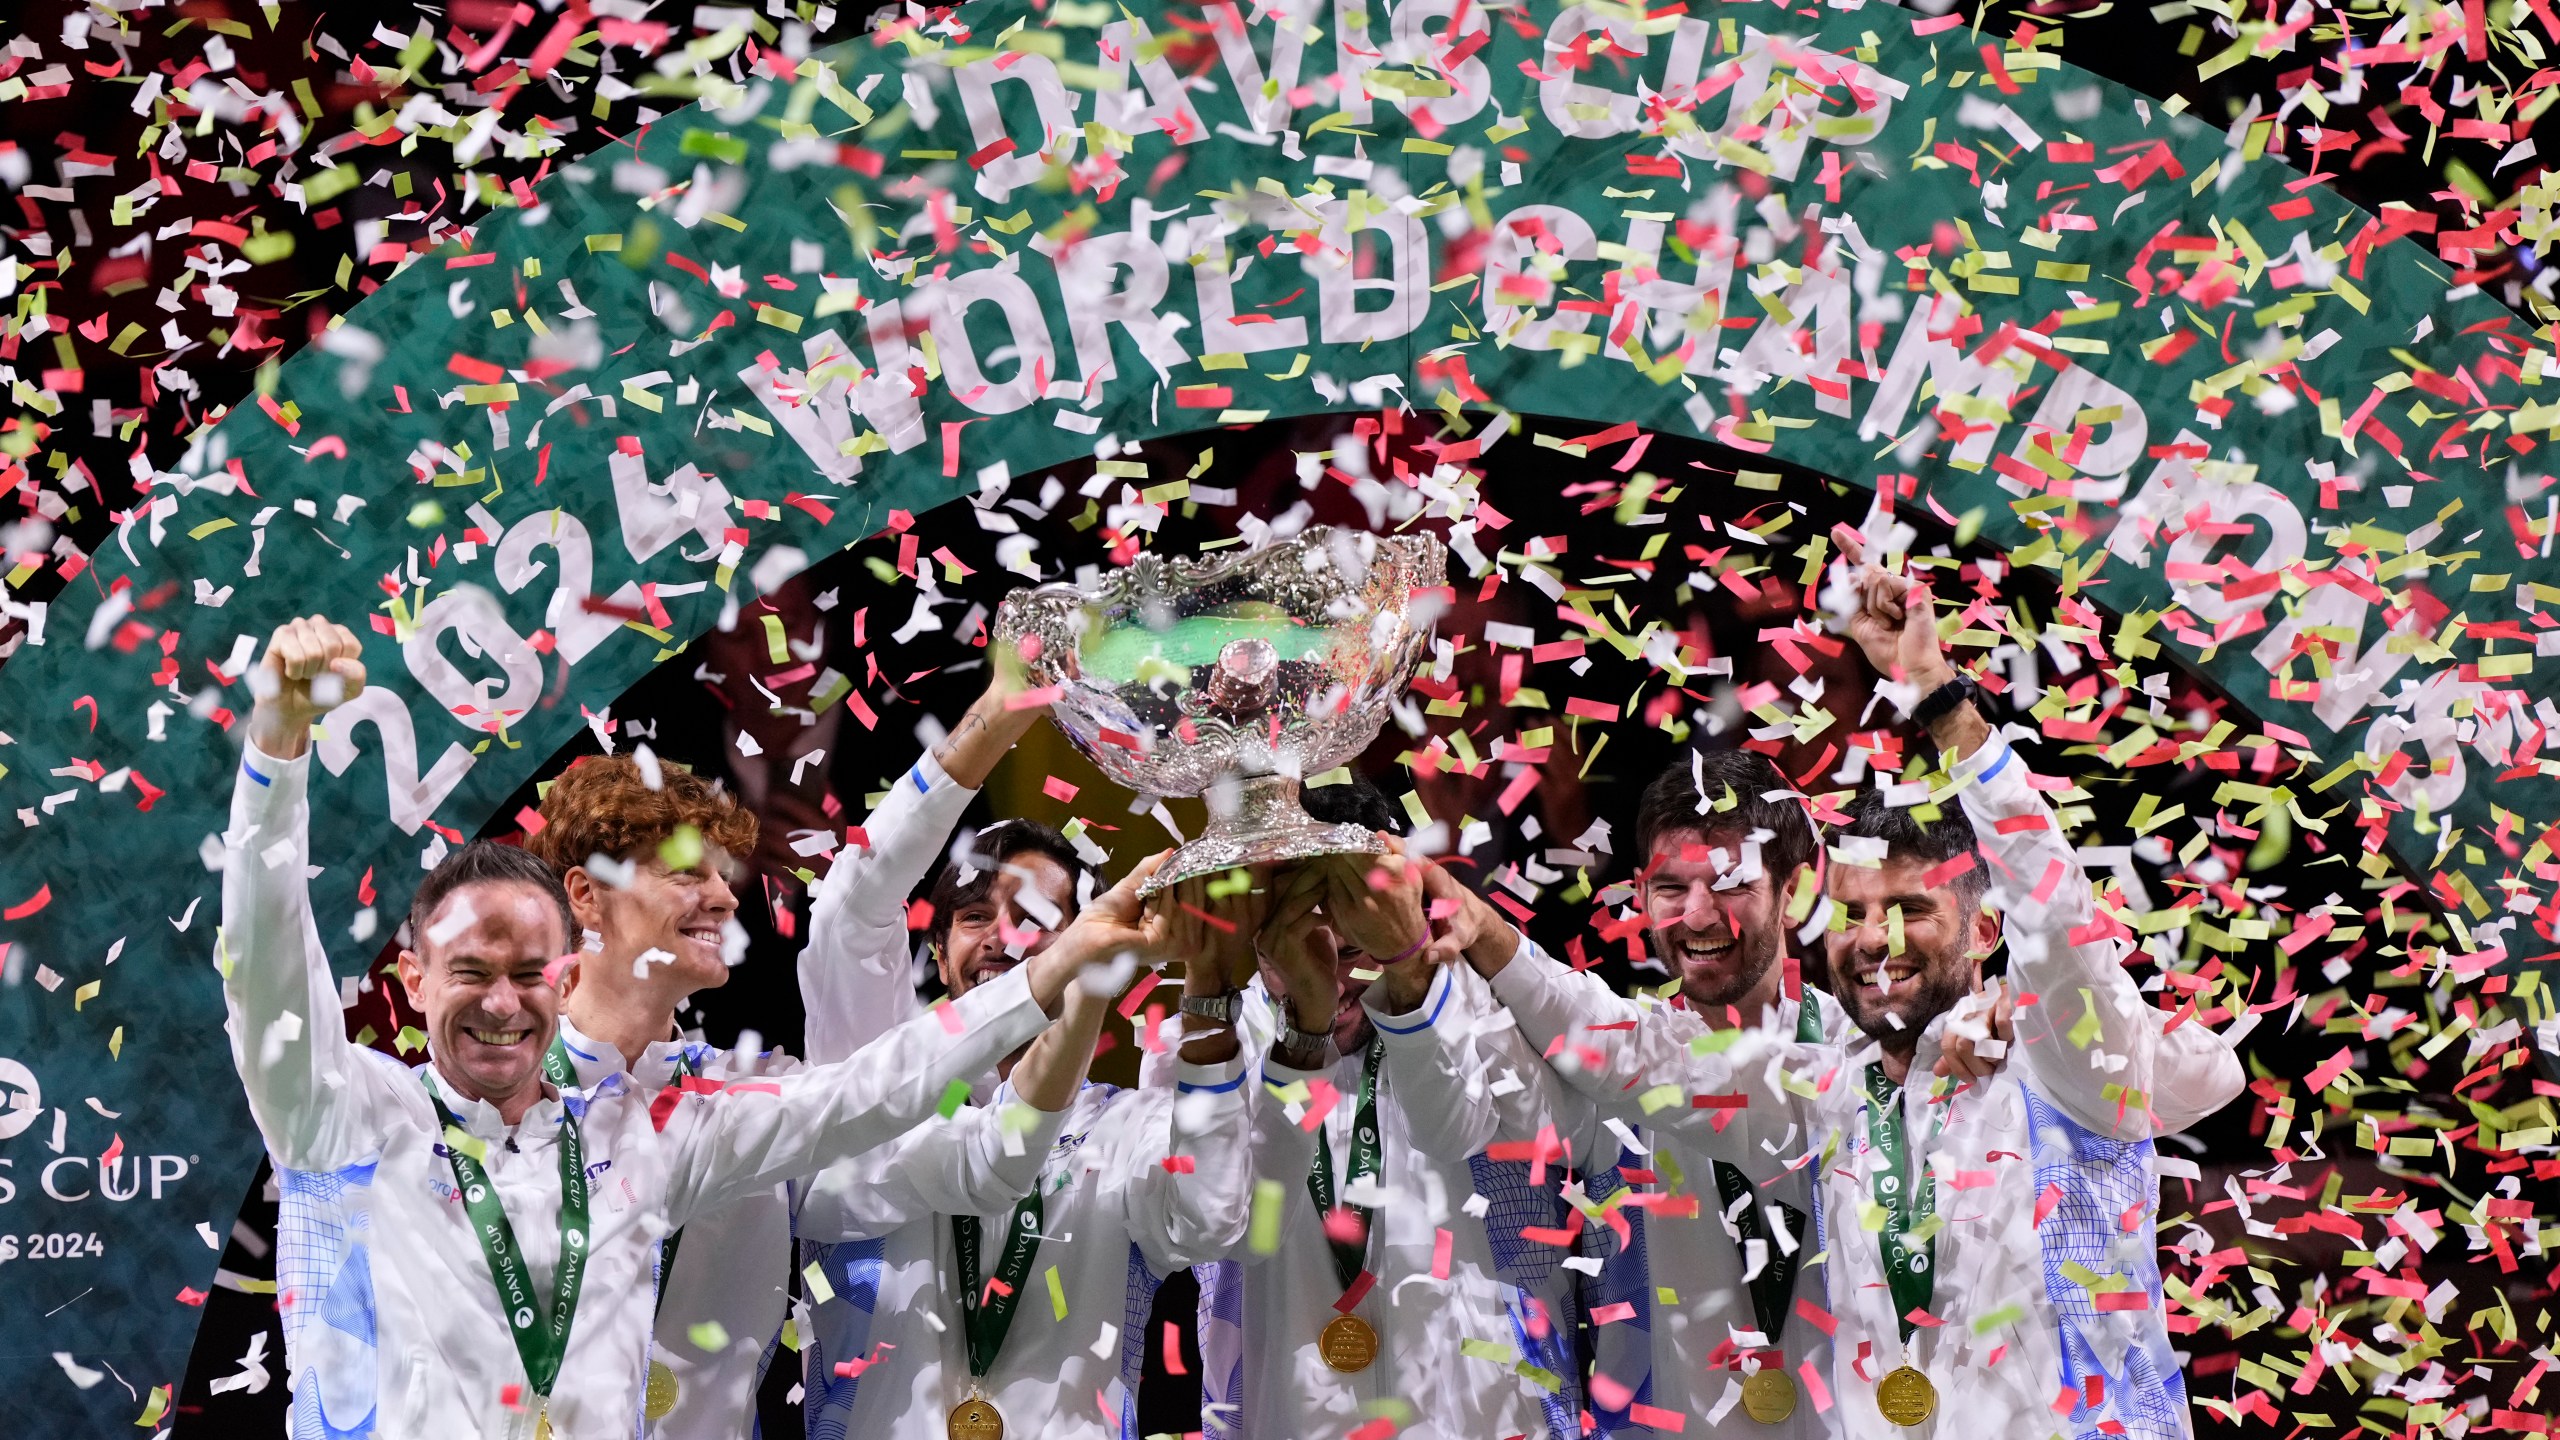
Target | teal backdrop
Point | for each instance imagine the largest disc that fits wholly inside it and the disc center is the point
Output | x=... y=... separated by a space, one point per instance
x=2249 y=426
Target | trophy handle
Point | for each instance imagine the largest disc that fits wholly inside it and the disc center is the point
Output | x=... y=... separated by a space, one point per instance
x=1051 y=615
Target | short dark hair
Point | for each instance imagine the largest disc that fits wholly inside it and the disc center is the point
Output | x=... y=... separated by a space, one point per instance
x=486 y=862
x=995 y=845
x=1357 y=801
x=1930 y=842
x=1671 y=805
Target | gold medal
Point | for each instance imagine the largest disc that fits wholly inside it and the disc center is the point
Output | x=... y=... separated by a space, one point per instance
x=1348 y=1344
x=1906 y=1396
x=1769 y=1395
x=662 y=1390
x=542 y=1423
x=976 y=1418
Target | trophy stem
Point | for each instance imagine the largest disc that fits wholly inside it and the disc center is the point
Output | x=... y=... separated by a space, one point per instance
x=1268 y=826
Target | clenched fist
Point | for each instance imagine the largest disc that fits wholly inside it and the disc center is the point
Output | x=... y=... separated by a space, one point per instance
x=312 y=666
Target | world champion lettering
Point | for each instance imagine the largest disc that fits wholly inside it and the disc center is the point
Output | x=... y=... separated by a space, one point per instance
x=653 y=515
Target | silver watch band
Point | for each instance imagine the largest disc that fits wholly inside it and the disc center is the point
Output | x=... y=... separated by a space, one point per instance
x=1221 y=1007
x=1296 y=1041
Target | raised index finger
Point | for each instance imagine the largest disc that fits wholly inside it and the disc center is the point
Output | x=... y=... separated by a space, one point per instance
x=1853 y=547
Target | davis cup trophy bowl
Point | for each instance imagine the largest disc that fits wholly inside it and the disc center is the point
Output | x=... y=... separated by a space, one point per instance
x=1233 y=677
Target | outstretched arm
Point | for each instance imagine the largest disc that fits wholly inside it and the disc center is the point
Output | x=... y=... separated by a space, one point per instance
x=980 y=1160
x=752 y=1135
x=853 y=971
x=2089 y=1042
x=760 y=1133
x=1597 y=1041
x=308 y=1086
x=967 y=1165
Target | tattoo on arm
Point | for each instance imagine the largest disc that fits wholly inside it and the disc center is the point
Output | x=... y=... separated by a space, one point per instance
x=951 y=742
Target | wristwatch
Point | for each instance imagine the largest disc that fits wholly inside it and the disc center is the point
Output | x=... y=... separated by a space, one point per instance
x=1291 y=1042
x=1937 y=703
x=1221 y=1007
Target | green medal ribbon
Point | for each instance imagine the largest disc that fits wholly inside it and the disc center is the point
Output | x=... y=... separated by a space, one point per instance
x=985 y=1315
x=541 y=1338
x=1349 y=1258
x=1910 y=1271
x=563 y=1072
x=1775 y=1285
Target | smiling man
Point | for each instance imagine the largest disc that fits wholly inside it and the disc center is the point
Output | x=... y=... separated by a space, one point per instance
x=469 y=1248
x=1910 y=938
x=1097 y=1193
x=644 y=849
x=1709 y=1284
x=1945 y=1207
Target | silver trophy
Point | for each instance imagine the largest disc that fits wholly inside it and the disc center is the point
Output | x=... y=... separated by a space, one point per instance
x=1234 y=677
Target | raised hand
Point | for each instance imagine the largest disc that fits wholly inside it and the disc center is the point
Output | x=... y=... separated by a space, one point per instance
x=988 y=732
x=1895 y=620
x=1212 y=925
x=1375 y=904
x=1301 y=953
x=1467 y=927
x=1115 y=921
x=312 y=666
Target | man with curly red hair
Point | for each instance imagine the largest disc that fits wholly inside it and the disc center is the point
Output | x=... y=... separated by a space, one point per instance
x=646 y=850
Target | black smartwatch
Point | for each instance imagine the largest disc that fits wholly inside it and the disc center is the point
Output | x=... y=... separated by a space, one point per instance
x=1937 y=703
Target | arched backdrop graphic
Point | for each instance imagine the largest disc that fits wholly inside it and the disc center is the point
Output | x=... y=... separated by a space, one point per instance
x=2240 y=419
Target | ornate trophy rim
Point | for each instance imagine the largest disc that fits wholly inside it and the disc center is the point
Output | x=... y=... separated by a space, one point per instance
x=1217 y=727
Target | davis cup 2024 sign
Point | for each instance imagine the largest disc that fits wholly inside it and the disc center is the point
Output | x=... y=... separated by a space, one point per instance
x=2241 y=422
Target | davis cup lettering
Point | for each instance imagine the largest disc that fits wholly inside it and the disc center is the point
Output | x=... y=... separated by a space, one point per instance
x=124 y=1180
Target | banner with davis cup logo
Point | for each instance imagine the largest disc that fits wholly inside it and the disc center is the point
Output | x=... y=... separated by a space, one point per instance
x=2242 y=424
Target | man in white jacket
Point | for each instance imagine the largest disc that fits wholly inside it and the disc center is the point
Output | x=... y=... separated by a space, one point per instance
x=467 y=1249
x=1389 y=1273
x=1989 y=1249
x=1123 y=1186
x=644 y=850
x=1705 y=1230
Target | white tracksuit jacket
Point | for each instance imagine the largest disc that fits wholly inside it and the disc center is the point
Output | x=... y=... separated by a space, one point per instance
x=393 y=1326
x=2044 y=1170
x=1136 y=1183
x=733 y=1267
x=1460 y=1348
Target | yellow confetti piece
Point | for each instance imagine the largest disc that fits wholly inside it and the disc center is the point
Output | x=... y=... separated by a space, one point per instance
x=1270 y=1198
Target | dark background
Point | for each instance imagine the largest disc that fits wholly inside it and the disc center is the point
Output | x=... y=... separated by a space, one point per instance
x=129 y=406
